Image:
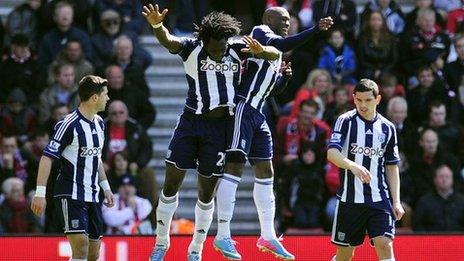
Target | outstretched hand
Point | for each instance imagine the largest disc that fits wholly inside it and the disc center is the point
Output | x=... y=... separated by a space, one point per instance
x=325 y=23
x=254 y=47
x=153 y=15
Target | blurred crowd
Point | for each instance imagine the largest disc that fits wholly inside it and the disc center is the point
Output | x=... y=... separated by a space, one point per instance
x=416 y=57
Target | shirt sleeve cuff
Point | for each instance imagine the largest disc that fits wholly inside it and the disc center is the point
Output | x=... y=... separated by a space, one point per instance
x=335 y=146
x=392 y=162
x=50 y=155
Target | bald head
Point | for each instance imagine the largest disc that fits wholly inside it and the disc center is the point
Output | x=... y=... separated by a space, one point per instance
x=118 y=112
x=278 y=19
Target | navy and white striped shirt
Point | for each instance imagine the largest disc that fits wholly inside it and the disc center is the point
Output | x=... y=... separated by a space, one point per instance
x=372 y=144
x=211 y=84
x=77 y=143
x=260 y=75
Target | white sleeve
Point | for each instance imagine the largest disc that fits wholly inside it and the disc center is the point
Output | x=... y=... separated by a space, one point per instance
x=115 y=218
x=143 y=208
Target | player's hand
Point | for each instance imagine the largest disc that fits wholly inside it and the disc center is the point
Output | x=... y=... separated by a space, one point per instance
x=109 y=199
x=38 y=205
x=152 y=14
x=325 y=23
x=398 y=210
x=254 y=47
x=286 y=68
x=361 y=172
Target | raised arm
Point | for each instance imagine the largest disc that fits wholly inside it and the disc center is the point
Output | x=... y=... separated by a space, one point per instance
x=289 y=43
x=260 y=51
x=155 y=19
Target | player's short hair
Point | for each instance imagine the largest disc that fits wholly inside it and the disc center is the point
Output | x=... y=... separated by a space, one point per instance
x=90 y=85
x=310 y=103
x=217 y=25
x=367 y=85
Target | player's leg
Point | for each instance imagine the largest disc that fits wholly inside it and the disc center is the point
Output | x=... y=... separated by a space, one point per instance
x=181 y=155
x=381 y=230
x=344 y=253
x=94 y=249
x=79 y=245
x=210 y=167
x=349 y=228
x=384 y=248
x=95 y=229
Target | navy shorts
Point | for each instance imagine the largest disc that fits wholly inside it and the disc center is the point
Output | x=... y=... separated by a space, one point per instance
x=76 y=216
x=352 y=220
x=199 y=143
x=249 y=137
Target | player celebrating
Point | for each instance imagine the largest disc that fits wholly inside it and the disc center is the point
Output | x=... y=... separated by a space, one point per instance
x=212 y=66
x=251 y=135
x=364 y=146
x=77 y=142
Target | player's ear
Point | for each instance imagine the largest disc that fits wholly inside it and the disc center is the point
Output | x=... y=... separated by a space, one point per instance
x=378 y=98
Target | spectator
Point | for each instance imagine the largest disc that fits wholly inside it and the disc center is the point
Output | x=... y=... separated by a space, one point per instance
x=58 y=112
x=38 y=141
x=17 y=117
x=72 y=54
x=82 y=10
x=397 y=113
x=423 y=4
x=23 y=20
x=425 y=36
x=302 y=189
x=189 y=14
x=103 y=40
x=134 y=69
x=389 y=88
x=338 y=106
x=119 y=167
x=15 y=214
x=140 y=108
x=302 y=8
x=449 y=135
x=427 y=158
x=2 y=35
x=129 y=10
x=454 y=71
x=421 y=96
x=21 y=70
x=293 y=131
x=318 y=87
x=390 y=10
x=347 y=19
x=447 y=5
x=16 y=163
x=377 y=48
x=63 y=91
x=442 y=209
x=129 y=211
x=339 y=59
x=455 y=22
x=54 y=41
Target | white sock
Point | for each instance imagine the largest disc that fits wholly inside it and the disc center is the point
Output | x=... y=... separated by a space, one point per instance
x=264 y=198
x=203 y=219
x=164 y=212
x=334 y=258
x=225 y=200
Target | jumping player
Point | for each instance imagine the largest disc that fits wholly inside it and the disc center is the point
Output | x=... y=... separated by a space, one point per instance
x=251 y=138
x=77 y=143
x=364 y=146
x=212 y=65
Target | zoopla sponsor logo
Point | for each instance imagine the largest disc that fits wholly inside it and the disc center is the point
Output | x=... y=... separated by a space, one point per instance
x=366 y=151
x=219 y=67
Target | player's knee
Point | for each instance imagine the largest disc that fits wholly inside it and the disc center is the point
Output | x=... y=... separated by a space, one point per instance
x=93 y=256
x=235 y=168
x=80 y=248
x=384 y=246
x=235 y=157
x=263 y=170
x=344 y=253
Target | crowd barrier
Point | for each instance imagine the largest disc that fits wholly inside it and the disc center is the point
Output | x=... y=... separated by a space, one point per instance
x=122 y=248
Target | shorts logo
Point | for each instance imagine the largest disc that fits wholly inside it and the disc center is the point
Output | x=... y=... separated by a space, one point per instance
x=168 y=153
x=90 y=152
x=53 y=146
x=336 y=138
x=218 y=67
x=366 y=151
x=75 y=223
x=341 y=236
x=243 y=143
